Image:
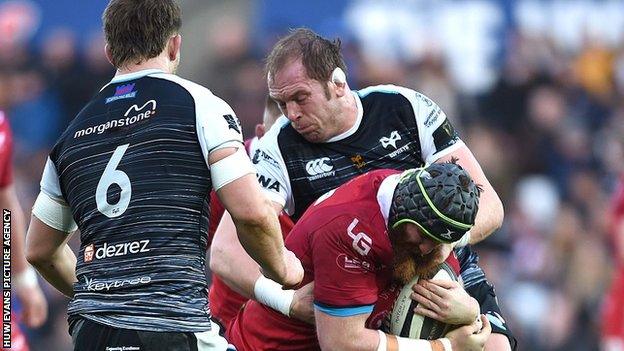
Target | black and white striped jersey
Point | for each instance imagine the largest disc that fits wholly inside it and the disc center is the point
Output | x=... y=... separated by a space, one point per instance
x=132 y=167
x=396 y=128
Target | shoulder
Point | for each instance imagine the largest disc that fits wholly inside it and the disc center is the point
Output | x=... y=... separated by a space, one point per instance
x=200 y=93
x=390 y=92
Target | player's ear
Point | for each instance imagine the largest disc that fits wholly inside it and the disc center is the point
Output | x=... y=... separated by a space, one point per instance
x=173 y=47
x=108 y=54
x=339 y=81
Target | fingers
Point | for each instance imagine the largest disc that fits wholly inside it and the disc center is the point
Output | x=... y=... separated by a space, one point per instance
x=430 y=292
x=427 y=313
x=442 y=283
x=486 y=326
x=438 y=287
x=485 y=331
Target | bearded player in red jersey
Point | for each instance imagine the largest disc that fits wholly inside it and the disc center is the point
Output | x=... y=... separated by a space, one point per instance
x=613 y=308
x=225 y=302
x=24 y=279
x=353 y=242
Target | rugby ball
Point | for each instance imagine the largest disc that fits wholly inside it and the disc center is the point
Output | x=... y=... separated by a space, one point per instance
x=404 y=322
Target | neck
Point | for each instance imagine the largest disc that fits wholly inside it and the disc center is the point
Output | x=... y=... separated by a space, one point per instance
x=158 y=62
x=350 y=111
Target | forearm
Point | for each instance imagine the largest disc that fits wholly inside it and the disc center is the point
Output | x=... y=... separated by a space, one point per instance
x=489 y=216
x=256 y=224
x=350 y=334
x=262 y=240
x=230 y=261
x=491 y=213
x=59 y=270
x=9 y=202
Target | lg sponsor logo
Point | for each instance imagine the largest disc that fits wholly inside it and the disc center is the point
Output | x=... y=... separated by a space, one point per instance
x=320 y=168
x=361 y=241
x=116 y=250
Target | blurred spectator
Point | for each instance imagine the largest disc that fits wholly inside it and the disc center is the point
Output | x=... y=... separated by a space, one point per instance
x=540 y=105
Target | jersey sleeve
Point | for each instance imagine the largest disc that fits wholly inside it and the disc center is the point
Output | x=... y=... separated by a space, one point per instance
x=437 y=135
x=345 y=281
x=271 y=168
x=217 y=124
x=51 y=207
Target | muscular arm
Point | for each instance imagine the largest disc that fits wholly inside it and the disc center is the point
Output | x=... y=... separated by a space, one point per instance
x=350 y=334
x=35 y=307
x=48 y=252
x=9 y=201
x=345 y=333
x=490 y=215
x=257 y=225
x=229 y=260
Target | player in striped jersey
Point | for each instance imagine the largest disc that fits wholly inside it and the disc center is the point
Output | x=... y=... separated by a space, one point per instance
x=133 y=172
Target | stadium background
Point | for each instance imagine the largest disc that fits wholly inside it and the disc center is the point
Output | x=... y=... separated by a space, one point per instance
x=535 y=88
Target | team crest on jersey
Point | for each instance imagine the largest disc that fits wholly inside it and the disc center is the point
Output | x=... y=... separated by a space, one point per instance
x=232 y=123
x=123 y=92
x=358 y=161
x=390 y=142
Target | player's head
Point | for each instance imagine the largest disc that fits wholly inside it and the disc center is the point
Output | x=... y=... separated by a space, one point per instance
x=431 y=207
x=306 y=77
x=139 y=30
x=270 y=115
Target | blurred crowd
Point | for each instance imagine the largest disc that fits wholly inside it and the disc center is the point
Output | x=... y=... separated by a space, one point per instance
x=548 y=131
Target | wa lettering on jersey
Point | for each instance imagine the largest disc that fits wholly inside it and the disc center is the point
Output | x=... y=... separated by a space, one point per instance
x=132 y=168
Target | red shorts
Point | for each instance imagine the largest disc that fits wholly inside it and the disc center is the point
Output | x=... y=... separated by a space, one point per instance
x=224 y=302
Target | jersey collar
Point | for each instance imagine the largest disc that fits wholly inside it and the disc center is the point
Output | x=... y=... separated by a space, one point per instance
x=132 y=76
x=356 y=125
x=385 y=194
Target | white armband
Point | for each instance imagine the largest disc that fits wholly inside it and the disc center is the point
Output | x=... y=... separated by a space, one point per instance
x=230 y=168
x=53 y=214
x=405 y=344
x=270 y=294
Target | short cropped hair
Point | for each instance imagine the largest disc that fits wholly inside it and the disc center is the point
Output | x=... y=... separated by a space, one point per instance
x=318 y=55
x=138 y=30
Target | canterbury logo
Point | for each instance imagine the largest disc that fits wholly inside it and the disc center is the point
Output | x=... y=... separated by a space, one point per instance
x=137 y=109
x=391 y=141
x=318 y=166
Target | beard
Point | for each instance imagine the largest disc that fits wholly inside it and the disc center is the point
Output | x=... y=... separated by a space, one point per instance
x=408 y=263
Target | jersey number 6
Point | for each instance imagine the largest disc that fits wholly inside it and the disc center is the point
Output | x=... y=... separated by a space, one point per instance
x=112 y=176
